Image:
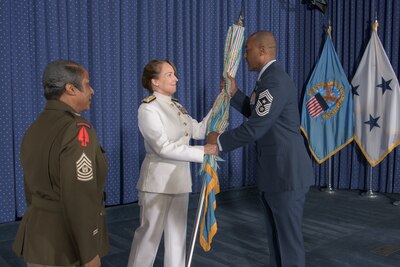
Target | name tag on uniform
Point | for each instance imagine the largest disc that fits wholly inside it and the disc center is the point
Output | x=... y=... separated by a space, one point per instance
x=253 y=98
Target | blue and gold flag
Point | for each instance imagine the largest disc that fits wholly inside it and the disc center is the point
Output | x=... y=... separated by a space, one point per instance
x=208 y=226
x=218 y=122
x=327 y=114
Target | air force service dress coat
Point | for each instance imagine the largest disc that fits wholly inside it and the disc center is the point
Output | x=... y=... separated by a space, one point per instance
x=167 y=129
x=283 y=167
x=64 y=173
x=273 y=124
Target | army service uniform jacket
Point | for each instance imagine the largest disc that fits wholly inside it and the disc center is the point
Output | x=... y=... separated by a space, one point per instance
x=64 y=174
x=274 y=125
x=167 y=129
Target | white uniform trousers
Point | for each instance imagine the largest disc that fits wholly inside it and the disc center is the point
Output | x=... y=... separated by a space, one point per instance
x=160 y=213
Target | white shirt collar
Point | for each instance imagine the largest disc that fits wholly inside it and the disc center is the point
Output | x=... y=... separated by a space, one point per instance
x=264 y=68
x=162 y=97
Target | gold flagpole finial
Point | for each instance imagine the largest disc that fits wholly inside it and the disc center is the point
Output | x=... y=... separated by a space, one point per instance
x=240 y=19
x=329 y=31
x=375 y=26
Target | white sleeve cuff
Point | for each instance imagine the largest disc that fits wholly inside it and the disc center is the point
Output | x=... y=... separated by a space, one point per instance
x=219 y=144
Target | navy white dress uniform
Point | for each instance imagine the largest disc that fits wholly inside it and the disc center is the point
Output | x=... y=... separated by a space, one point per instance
x=64 y=174
x=165 y=179
x=283 y=168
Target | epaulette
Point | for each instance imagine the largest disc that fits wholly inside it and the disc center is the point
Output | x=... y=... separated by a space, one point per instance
x=175 y=100
x=149 y=99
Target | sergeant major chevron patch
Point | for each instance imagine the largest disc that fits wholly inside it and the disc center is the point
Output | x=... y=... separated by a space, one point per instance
x=84 y=169
x=264 y=103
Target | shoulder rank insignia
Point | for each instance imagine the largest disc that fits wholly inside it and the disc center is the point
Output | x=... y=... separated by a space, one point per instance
x=149 y=99
x=175 y=100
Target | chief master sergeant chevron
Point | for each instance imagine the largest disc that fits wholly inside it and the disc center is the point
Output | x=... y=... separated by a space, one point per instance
x=64 y=173
x=283 y=168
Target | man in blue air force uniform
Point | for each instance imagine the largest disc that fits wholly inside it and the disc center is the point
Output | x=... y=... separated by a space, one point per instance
x=284 y=171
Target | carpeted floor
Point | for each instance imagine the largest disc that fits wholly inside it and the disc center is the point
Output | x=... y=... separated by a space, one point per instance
x=340 y=229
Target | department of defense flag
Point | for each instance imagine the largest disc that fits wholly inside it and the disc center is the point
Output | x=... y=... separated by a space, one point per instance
x=327 y=114
x=376 y=95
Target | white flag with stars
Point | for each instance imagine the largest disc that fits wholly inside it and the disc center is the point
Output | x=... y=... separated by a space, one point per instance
x=376 y=96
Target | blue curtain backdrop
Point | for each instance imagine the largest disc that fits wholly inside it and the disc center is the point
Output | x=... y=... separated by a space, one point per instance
x=115 y=38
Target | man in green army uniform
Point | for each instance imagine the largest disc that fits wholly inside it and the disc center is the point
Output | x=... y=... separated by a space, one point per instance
x=64 y=171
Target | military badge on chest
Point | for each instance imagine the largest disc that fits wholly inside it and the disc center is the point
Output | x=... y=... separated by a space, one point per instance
x=264 y=103
x=180 y=107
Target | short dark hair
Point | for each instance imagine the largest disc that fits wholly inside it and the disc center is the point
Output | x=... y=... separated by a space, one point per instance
x=57 y=74
x=266 y=39
x=152 y=70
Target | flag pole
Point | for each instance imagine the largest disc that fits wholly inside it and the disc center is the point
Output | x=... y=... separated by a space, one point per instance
x=329 y=30
x=197 y=222
x=218 y=122
x=329 y=189
x=370 y=193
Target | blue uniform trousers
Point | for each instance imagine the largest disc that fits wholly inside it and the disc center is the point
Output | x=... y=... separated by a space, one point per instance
x=284 y=215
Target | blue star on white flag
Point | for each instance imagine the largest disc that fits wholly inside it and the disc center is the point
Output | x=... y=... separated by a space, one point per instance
x=376 y=100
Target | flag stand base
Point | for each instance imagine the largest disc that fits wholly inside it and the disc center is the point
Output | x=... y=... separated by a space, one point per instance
x=369 y=194
x=328 y=189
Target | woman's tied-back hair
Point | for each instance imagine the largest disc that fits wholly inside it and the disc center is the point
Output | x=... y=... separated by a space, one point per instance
x=152 y=71
x=57 y=74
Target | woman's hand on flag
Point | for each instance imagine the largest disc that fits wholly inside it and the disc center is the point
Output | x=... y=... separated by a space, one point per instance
x=211 y=149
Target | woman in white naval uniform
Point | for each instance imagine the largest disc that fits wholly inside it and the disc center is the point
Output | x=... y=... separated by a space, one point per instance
x=165 y=179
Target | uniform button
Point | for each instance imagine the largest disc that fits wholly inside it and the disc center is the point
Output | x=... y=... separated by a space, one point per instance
x=186 y=134
x=172 y=105
x=185 y=123
x=179 y=113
